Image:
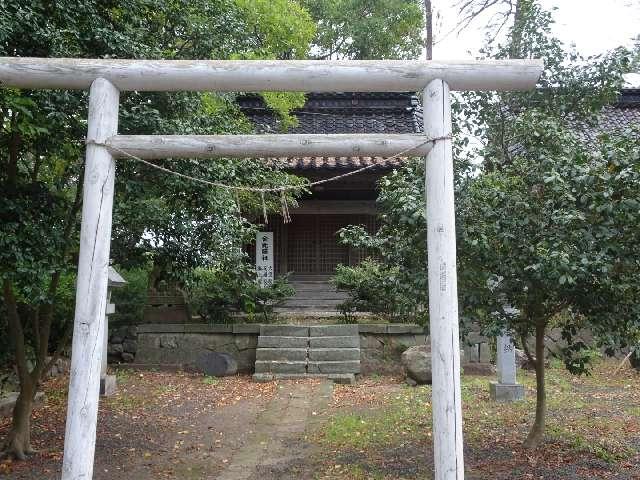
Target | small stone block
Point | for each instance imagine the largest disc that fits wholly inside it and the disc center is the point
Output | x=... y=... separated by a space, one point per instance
x=343 y=378
x=334 y=354
x=335 y=342
x=207 y=328
x=246 y=328
x=333 y=330
x=334 y=367
x=373 y=328
x=266 y=366
x=107 y=385
x=282 y=354
x=284 y=330
x=401 y=328
x=282 y=342
x=161 y=328
x=262 y=377
x=503 y=393
x=485 y=353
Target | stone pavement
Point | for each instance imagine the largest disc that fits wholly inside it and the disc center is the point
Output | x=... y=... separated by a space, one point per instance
x=278 y=429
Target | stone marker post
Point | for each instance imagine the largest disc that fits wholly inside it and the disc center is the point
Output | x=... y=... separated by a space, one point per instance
x=108 y=382
x=264 y=258
x=506 y=389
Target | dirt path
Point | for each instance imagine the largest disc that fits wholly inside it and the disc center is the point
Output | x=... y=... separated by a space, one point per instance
x=275 y=443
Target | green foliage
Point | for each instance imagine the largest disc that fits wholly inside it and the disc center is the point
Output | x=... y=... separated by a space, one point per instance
x=366 y=29
x=395 y=286
x=130 y=299
x=376 y=288
x=208 y=380
x=217 y=294
x=281 y=29
x=548 y=227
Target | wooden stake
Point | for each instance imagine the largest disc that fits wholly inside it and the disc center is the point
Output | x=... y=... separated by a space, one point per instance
x=443 y=290
x=91 y=289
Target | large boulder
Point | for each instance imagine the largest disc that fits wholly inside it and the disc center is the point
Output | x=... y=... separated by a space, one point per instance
x=216 y=364
x=417 y=363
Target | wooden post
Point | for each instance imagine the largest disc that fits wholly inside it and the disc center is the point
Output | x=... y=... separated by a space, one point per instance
x=88 y=330
x=443 y=290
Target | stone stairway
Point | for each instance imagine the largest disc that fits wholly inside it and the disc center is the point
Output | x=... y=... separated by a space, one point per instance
x=298 y=351
x=314 y=294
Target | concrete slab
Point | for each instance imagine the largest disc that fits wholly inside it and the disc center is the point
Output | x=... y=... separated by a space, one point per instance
x=333 y=330
x=282 y=354
x=265 y=366
x=503 y=393
x=334 y=354
x=282 y=342
x=334 y=367
x=284 y=330
x=335 y=342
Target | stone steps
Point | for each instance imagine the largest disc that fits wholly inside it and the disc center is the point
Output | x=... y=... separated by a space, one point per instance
x=325 y=350
x=313 y=293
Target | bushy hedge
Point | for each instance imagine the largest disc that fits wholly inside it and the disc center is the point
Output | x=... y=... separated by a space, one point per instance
x=377 y=288
x=217 y=294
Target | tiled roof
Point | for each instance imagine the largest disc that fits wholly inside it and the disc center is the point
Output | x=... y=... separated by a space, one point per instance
x=623 y=114
x=326 y=113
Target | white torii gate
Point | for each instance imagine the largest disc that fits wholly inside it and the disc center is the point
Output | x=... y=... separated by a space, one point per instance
x=107 y=78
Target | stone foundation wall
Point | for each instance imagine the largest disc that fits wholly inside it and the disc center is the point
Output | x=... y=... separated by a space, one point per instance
x=381 y=345
x=183 y=344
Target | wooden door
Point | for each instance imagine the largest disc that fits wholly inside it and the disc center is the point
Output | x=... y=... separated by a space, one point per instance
x=312 y=243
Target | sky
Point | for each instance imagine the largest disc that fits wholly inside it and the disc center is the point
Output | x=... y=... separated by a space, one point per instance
x=594 y=26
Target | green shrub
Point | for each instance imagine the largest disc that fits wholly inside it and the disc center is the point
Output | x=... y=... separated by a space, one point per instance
x=131 y=299
x=377 y=289
x=216 y=294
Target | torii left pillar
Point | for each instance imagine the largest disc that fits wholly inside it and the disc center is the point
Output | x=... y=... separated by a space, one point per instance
x=91 y=288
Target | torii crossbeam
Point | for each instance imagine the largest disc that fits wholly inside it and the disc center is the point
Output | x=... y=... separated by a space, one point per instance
x=107 y=78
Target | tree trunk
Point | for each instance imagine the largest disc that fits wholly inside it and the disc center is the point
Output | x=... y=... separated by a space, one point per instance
x=536 y=434
x=18 y=441
x=515 y=48
x=428 y=21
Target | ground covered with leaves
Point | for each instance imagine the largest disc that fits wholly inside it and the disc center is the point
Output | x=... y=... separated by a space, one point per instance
x=158 y=425
x=176 y=425
x=379 y=431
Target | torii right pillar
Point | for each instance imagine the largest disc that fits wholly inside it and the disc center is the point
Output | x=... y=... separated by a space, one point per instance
x=443 y=288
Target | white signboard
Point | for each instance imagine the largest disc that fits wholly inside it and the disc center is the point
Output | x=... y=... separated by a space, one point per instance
x=264 y=258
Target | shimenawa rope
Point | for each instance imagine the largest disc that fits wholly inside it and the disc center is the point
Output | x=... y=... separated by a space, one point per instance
x=262 y=190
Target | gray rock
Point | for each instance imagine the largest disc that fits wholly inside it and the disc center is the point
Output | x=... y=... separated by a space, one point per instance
x=130 y=346
x=168 y=342
x=127 y=357
x=216 y=364
x=132 y=332
x=485 y=369
x=116 y=338
x=114 y=348
x=8 y=402
x=417 y=363
x=522 y=361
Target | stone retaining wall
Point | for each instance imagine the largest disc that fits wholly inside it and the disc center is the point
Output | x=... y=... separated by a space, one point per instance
x=180 y=344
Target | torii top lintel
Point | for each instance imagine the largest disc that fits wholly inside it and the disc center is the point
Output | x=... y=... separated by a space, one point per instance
x=268 y=75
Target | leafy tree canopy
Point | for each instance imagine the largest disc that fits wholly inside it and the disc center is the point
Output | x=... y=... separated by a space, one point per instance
x=366 y=29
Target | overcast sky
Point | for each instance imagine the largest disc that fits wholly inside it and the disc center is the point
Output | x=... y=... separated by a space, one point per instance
x=594 y=26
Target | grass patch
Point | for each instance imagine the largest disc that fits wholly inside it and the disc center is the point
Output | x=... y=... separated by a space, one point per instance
x=207 y=380
x=123 y=375
x=405 y=416
x=125 y=402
